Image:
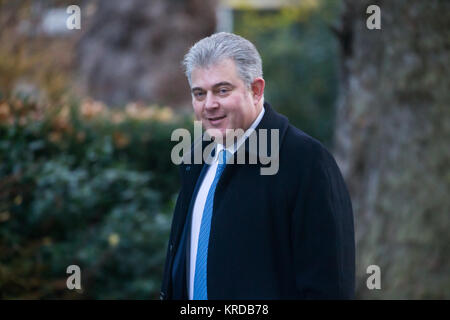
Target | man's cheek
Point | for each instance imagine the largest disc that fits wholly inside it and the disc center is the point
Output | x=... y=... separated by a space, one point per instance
x=228 y=122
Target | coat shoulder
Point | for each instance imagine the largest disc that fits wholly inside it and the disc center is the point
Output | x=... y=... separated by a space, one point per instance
x=302 y=148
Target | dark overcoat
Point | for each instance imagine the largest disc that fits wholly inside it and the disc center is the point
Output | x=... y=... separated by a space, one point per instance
x=289 y=235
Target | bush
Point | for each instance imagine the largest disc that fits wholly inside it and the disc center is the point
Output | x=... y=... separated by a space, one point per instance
x=81 y=184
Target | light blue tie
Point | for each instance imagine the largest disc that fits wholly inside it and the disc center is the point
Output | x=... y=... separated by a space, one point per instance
x=200 y=289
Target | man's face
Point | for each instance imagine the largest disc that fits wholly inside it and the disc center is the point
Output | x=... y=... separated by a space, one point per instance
x=221 y=100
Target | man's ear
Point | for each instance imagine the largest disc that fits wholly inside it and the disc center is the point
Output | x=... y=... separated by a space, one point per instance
x=258 y=89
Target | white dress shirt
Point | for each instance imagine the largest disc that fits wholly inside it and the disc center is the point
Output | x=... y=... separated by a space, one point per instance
x=200 y=201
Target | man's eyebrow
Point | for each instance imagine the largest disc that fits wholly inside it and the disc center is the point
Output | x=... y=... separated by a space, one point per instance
x=223 y=83
x=196 y=89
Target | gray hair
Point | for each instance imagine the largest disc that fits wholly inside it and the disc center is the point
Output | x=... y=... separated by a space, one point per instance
x=211 y=50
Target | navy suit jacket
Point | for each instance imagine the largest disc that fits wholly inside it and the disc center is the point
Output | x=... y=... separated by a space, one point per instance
x=284 y=236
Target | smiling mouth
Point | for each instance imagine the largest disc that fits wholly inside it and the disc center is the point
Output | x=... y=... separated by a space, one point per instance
x=216 y=118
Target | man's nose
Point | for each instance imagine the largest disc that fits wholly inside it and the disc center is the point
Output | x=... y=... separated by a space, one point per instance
x=210 y=101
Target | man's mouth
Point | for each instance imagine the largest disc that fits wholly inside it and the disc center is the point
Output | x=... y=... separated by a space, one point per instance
x=215 y=120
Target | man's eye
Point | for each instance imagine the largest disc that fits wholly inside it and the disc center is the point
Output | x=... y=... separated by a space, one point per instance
x=198 y=94
x=223 y=91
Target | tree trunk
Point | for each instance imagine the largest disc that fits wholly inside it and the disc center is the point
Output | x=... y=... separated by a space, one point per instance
x=392 y=144
x=132 y=50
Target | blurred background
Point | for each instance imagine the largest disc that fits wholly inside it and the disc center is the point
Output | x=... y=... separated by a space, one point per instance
x=86 y=117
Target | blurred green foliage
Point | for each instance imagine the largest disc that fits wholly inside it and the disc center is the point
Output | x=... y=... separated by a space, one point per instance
x=84 y=185
x=300 y=58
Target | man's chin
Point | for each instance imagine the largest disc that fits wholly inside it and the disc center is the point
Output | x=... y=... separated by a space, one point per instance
x=217 y=135
x=224 y=136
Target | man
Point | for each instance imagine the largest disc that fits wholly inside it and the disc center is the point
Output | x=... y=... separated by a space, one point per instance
x=238 y=233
